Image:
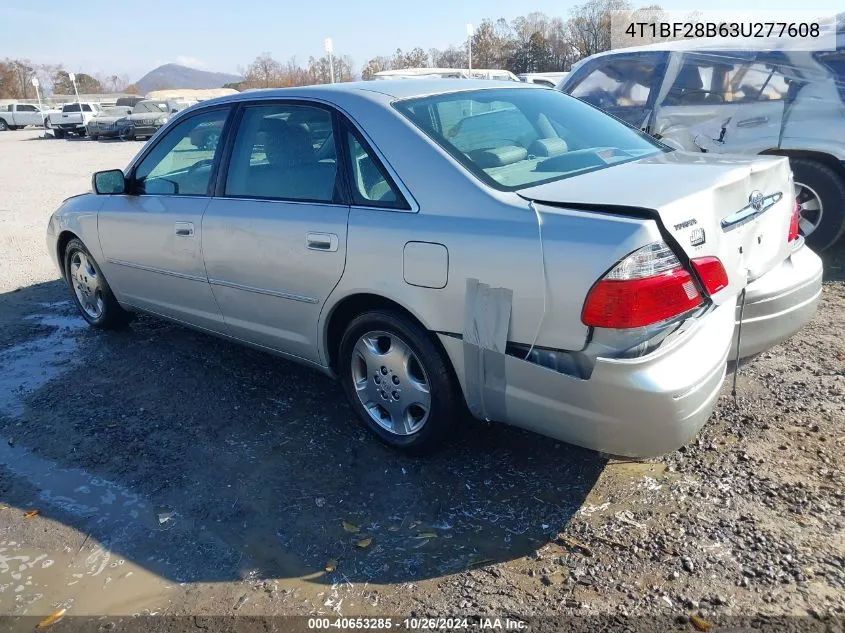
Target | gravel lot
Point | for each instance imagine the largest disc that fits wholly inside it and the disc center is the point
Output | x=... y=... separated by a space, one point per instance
x=174 y=473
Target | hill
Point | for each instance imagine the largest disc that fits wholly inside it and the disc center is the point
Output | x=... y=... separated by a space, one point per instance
x=176 y=76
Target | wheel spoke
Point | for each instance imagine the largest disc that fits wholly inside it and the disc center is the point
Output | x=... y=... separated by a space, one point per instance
x=806 y=226
x=810 y=205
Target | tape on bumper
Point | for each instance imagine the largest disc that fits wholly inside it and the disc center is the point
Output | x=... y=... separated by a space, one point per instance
x=487 y=314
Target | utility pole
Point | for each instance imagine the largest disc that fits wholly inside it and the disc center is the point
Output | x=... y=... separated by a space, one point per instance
x=469 y=46
x=330 y=50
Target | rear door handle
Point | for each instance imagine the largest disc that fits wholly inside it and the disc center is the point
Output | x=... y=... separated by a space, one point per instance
x=321 y=241
x=184 y=229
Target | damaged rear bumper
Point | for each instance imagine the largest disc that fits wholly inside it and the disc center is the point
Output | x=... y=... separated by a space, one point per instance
x=636 y=407
x=780 y=303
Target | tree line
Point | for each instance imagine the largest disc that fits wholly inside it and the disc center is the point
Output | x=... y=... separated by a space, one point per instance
x=16 y=77
x=531 y=43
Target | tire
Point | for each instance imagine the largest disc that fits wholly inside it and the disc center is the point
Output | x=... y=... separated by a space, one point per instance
x=3 y=125
x=48 y=124
x=57 y=133
x=89 y=289
x=93 y=137
x=813 y=179
x=425 y=421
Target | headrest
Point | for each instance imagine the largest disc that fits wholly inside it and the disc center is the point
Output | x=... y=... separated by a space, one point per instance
x=548 y=147
x=499 y=156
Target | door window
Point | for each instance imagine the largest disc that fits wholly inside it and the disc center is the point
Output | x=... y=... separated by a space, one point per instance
x=708 y=78
x=371 y=185
x=619 y=81
x=27 y=108
x=284 y=152
x=181 y=163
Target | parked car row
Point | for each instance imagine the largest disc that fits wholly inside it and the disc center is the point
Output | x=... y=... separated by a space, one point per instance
x=140 y=120
x=765 y=100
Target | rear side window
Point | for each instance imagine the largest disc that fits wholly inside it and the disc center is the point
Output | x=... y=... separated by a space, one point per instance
x=371 y=185
x=284 y=152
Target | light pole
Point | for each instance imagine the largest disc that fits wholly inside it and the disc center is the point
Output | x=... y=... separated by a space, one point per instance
x=40 y=107
x=72 y=78
x=330 y=50
x=469 y=47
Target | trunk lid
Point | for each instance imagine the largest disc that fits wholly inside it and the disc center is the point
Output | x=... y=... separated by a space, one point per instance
x=734 y=208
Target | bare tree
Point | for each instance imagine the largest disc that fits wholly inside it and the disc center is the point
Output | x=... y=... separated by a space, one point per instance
x=451 y=57
x=589 y=25
x=264 y=72
x=376 y=65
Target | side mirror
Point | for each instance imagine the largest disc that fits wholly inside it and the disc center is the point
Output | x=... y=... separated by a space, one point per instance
x=109 y=183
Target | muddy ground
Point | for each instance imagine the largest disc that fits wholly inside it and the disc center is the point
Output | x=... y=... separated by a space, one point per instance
x=177 y=474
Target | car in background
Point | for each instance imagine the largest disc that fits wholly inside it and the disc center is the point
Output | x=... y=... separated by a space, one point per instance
x=104 y=123
x=146 y=118
x=451 y=245
x=18 y=115
x=699 y=97
x=73 y=118
x=446 y=73
x=551 y=80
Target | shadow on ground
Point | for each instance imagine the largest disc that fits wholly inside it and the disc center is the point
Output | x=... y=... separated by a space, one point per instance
x=205 y=461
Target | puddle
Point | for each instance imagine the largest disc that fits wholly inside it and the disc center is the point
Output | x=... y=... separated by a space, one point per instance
x=32 y=364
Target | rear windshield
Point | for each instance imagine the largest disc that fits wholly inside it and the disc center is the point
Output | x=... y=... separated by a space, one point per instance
x=516 y=138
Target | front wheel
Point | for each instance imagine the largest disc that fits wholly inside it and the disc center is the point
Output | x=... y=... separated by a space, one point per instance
x=90 y=290
x=820 y=193
x=398 y=381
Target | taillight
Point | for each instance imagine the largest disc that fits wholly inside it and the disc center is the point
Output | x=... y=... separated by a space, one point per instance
x=794 y=221
x=711 y=273
x=648 y=286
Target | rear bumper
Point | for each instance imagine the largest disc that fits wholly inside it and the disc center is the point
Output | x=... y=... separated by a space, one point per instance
x=780 y=303
x=639 y=407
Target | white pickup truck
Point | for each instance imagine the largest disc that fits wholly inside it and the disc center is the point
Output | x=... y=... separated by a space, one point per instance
x=71 y=121
x=19 y=115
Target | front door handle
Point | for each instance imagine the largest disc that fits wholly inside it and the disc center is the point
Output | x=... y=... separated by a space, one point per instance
x=184 y=229
x=758 y=120
x=321 y=241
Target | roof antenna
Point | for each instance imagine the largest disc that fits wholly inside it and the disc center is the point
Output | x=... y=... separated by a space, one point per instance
x=738 y=344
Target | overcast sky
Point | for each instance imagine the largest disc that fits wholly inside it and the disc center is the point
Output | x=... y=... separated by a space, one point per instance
x=105 y=36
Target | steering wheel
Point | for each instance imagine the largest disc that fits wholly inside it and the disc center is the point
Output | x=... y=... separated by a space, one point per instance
x=200 y=163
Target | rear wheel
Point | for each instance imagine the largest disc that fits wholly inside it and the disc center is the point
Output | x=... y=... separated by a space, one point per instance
x=3 y=125
x=820 y=193
x=47 y=124
x=399 y=381
x=90 y=290
x=57 y=133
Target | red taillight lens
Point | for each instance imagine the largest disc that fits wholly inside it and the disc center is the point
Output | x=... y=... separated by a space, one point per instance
x=793 y=222
x=648 y=286
x=711 y=272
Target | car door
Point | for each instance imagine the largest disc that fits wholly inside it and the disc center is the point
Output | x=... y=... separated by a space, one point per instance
x=27 y=115
x=725 y=102
x=624 y=85
x=274 y=235
x=151 y=237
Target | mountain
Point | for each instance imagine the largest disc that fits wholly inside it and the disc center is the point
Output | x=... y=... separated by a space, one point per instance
x=176 y=76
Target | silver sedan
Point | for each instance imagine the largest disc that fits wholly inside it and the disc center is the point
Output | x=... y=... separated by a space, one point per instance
x=443 y=247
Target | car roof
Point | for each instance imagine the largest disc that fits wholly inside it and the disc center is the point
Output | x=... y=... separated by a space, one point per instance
x=389 y=89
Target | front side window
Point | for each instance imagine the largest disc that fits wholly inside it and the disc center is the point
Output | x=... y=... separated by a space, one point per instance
x=27 y=108
x=181 y=163
x=619 y=81
x=516 y=138
x=284 y=152
x=714 y=78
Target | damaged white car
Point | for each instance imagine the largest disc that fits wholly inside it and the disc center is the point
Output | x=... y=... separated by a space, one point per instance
x=707 y=96
x=440 y=246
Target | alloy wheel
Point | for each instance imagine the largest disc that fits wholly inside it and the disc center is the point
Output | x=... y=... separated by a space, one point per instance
x=810 y=208
x=391 y=383
x=87 y=285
